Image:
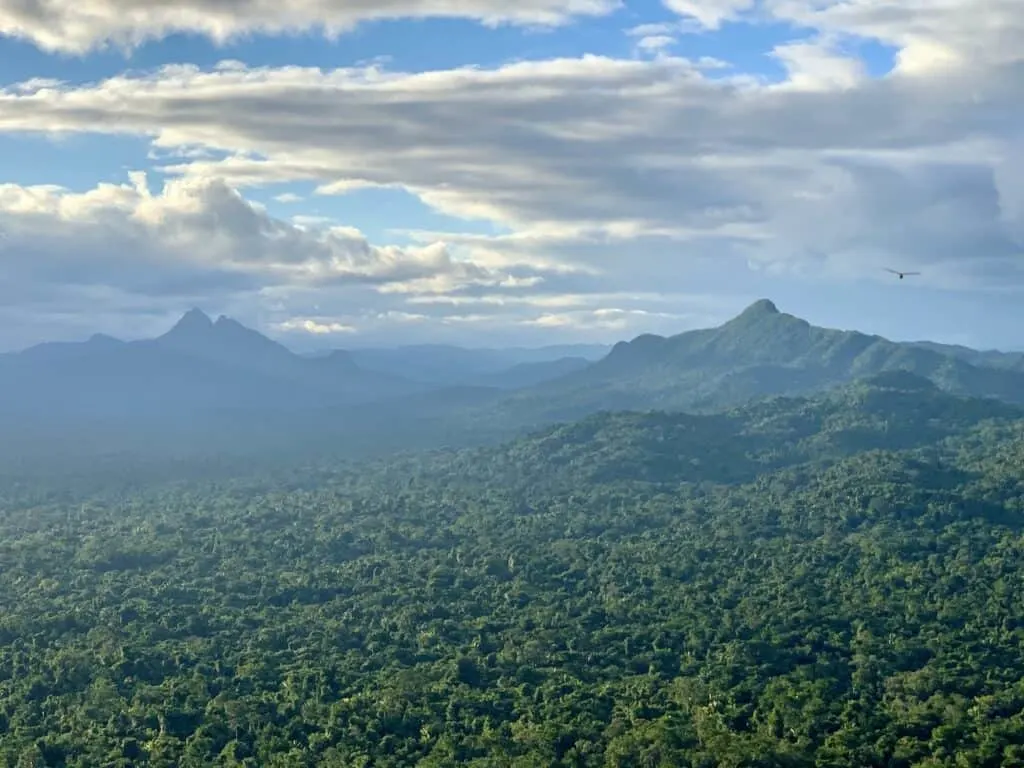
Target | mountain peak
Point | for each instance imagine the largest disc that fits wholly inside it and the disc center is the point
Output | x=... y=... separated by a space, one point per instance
x=761 y=313
x=760 y=308
x=103 y=339
x=192 y=321
x=227 y=342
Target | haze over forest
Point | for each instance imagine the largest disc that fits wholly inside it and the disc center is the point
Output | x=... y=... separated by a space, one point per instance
x=213 y=388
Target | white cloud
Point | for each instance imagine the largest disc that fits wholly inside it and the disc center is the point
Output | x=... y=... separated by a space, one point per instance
x=710 y=14
x=655 y=43
x=930 y=35
x=593 y=142
x=77 y=26
x=314 y=327
x=595 y=301
x=816 y=65
x=202 y=225
x=649 y=30
x=613 y=319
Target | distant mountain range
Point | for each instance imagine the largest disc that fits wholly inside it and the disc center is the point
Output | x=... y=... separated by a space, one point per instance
x=216 y=387
x=198 y=364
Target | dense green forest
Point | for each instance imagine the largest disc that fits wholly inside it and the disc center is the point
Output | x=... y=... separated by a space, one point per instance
x=758 y=353
x=832 y=581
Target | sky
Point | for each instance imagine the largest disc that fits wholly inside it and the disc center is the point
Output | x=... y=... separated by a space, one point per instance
x=341 y=173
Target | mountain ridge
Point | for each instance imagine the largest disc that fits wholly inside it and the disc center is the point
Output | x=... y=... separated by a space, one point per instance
x=207 y=379
x=760 y=352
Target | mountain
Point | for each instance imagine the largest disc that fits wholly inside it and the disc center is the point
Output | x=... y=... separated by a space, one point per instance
x=61 y=350
x=443 y=365
x=761 y=352
x=197 y=368
x=227 y=342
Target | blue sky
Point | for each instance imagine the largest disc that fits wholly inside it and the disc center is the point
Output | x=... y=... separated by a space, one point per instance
x=649 y=171
x=431 y=44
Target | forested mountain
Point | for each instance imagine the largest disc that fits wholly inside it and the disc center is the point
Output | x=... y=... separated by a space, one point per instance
x=760 y=587
x=892 y=411
x=760 y=352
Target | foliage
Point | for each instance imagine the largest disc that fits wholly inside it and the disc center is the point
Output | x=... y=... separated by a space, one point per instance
x=761 y=352
x=587 y=596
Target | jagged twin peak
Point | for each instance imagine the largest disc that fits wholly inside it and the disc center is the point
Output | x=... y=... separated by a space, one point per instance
x=197 y=321
x=228 y=340
x=196 y=316
x=192 y=322
x=195 y=332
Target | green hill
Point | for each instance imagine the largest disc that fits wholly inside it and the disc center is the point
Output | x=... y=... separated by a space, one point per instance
x=892 y=411
x=761 y=352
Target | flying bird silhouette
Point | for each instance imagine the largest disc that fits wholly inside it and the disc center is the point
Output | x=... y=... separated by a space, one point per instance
x=901 y=274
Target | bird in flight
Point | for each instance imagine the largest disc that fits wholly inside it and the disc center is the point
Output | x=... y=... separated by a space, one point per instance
x=901 y=274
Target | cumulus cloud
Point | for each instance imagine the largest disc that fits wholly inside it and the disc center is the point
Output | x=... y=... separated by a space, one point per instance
x=927 y=36
x=605 y=318
x=203 y=228
x=77 y=26
x=201 y=242
x=314 y=327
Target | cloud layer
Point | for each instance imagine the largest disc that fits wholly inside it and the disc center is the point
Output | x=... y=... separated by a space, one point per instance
x=78 y=26
x=613 y=177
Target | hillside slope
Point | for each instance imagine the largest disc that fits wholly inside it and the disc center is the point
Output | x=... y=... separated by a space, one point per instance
x=889 y=411
x=759 y=353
